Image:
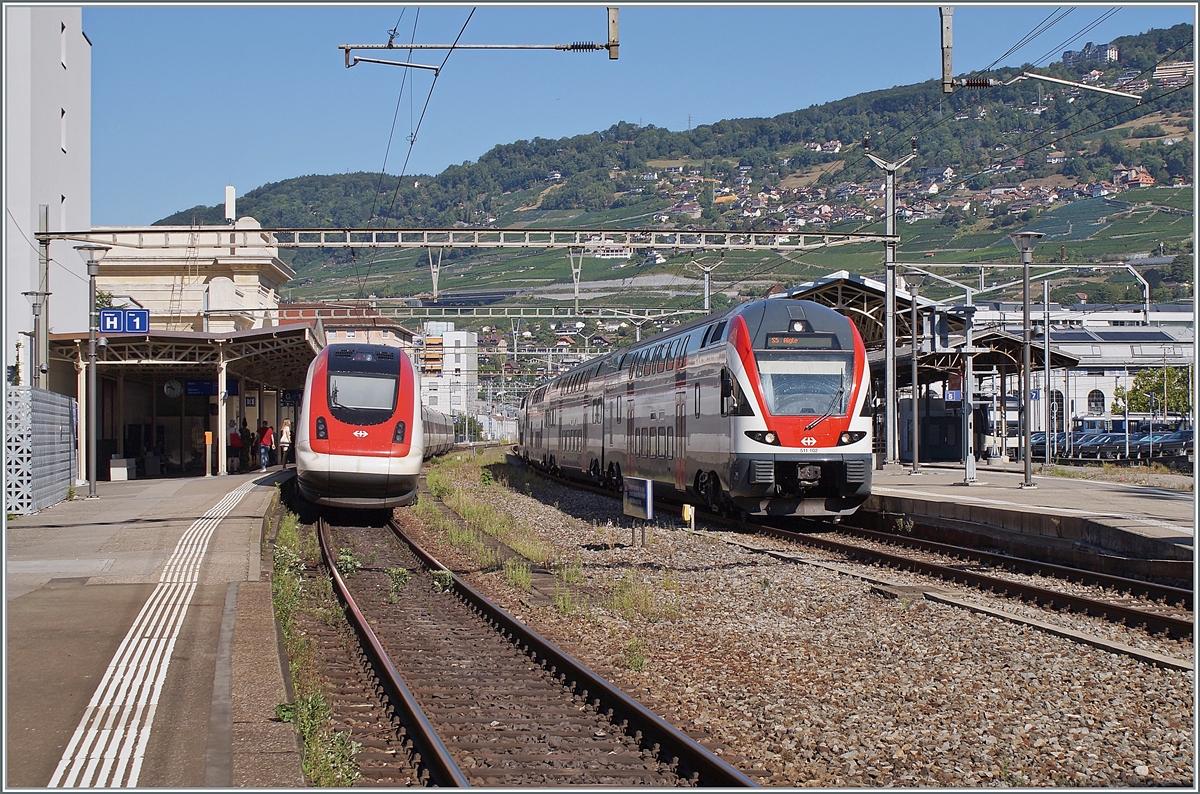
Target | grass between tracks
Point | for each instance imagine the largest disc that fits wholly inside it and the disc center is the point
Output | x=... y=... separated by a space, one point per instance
x=470 y=485
x=300 y=592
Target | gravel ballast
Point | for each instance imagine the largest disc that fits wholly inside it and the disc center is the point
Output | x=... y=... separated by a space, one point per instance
x=804 y=677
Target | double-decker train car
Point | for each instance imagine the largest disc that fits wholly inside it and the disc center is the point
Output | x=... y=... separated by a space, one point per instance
x=361 y=435
x=762 y=408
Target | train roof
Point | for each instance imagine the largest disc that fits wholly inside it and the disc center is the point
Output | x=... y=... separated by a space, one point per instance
x=761 y=316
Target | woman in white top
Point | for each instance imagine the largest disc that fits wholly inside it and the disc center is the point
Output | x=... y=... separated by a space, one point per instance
x=285 y=441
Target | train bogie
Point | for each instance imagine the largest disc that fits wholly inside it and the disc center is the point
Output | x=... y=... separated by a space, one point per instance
x=762 y=408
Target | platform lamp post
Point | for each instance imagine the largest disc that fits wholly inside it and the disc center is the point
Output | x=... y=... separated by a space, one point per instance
x=1025 y=241
x=891 y=451
x=36 y=299
x=92 y=254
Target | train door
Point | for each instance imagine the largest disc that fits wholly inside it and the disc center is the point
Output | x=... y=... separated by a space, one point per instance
x=594 y=445
x=630 y=440
x=680 y=445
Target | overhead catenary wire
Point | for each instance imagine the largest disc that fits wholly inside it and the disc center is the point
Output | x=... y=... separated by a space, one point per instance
x=412 y=138
x=388 y=149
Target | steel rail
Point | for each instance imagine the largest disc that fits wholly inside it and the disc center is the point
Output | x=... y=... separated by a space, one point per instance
x=434 y=755
x=689 y=755
x=1176 y=595
x=1131 y=616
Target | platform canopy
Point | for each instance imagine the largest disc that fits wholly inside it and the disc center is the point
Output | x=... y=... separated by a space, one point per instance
x=864 y=301
x=1001 y=352
x=276 y=356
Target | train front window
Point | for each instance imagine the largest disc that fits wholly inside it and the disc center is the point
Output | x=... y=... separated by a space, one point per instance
x=811 y=384
x=362 y=392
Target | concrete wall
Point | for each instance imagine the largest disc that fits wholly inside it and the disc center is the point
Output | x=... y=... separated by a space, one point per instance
x=47 y=160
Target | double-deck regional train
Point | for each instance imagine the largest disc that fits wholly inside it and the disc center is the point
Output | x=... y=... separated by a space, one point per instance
x=362 y=432
x=763 y=408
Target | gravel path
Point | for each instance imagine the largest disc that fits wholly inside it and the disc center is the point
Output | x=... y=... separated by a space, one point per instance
x=803 y=677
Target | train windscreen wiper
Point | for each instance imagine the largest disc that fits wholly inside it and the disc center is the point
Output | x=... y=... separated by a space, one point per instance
x=829 y=411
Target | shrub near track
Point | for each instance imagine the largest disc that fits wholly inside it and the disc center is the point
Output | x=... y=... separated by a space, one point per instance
x=328 y=758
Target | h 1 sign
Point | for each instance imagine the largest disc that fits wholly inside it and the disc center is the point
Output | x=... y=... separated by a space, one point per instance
x=124 y=321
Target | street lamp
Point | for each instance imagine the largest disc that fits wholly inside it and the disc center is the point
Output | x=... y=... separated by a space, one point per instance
x=891 y=450
x=36 y=299
x=92 y=254
x=1025 y=241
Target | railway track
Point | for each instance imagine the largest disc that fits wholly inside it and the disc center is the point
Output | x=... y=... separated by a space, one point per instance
x=1176 y=621
x=484 y=700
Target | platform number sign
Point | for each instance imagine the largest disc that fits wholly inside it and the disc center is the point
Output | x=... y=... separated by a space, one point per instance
x=124 y=321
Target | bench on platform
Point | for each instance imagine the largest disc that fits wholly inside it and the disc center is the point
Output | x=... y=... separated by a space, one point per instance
x=122 y=469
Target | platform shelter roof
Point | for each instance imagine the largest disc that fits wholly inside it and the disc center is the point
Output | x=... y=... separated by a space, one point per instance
x=864 y=301
x=275 y=356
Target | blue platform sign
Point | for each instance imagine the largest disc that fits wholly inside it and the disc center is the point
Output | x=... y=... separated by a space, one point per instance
x=291 y=397
x=639 y=498
x=124 y=321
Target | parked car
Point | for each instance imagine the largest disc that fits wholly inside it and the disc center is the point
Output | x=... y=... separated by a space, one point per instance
x=1103 y=446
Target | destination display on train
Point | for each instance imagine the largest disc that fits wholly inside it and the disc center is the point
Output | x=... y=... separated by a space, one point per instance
x=802 y=341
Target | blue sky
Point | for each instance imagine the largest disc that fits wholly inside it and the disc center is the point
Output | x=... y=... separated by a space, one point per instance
x=188 y=99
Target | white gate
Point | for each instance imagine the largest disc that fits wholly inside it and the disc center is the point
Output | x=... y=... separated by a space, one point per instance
x=40 y=448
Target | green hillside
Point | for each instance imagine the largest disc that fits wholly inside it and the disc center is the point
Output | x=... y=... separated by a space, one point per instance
x=619 y=177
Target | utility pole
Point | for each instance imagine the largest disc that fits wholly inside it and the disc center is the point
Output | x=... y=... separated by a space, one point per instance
x=92 y=254
x=916 y=465
x=891 y=451
x=707 y=270
x=1025 y=241
x=1046 y=355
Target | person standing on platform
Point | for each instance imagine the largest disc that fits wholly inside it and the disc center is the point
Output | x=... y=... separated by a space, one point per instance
x=285 y=441
x=235 y=447
x=266 y=443
x=247 y=445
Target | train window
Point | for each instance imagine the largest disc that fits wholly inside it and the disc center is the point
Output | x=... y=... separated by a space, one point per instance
x=670 y=442
x=697 y=392
x=654 y=442
x=369 y=392
x=717 y=332
x=805 y=385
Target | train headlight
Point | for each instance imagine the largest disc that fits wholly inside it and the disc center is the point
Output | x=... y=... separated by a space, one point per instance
x=763 y=436
x=850 y=436
x=322 y=428
x=398 y=435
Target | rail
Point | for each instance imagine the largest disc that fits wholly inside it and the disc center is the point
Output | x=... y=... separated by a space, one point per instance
x=434 y=755
x=689 y=755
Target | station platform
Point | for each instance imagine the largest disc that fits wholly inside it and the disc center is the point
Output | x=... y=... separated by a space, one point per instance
x=141 y=642
x=1130 y=529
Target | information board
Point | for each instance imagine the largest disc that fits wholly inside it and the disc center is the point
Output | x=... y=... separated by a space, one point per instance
x=638 y=501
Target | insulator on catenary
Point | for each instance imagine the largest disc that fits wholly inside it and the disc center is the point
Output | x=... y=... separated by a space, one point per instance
x=976 y=82
x=582 y=46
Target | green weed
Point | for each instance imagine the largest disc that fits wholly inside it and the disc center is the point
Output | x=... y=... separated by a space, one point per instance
x=347 y=563
x=443 y=581
x=633 y=655
x=517 y=572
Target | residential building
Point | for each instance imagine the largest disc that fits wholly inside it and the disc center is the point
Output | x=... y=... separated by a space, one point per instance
x=47 y=174
x=449 y=369
x=1104 y=53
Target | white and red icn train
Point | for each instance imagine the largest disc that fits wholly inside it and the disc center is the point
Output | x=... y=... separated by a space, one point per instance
x=362 y=432
x=763 y=408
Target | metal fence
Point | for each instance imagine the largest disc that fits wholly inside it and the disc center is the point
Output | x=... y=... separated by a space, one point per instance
x=40 y=448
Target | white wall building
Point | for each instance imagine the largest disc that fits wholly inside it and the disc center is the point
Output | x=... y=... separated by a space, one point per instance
x=47 y=161
x=454 y=387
